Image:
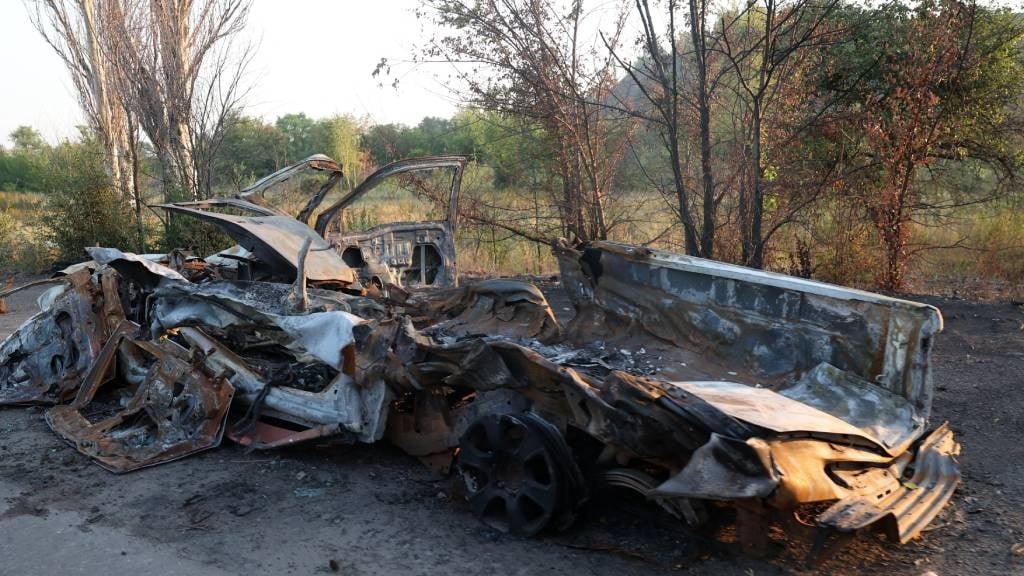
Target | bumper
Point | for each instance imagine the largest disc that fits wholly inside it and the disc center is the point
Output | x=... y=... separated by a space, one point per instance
x=907 y=509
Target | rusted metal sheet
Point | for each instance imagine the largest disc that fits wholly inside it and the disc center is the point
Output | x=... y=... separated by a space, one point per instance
x=318 y=162
x=143 y=403
x=401 y=253
x=905 y=509
x=810 y=392
x=457 y=163
x=772 y=324
x=44 y=361
x=277 y=241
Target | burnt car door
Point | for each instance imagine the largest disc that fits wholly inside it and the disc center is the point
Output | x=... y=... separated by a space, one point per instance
x=270 y=221
x=398 y=226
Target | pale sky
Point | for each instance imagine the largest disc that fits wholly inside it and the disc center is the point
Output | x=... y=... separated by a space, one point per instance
x=314 y=56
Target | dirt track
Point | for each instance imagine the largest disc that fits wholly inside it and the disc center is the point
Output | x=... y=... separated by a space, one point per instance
x=372 y=510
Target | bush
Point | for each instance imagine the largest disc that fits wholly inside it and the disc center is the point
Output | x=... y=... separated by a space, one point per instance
x=182 y=231
x=82 y=208
x=8 y=246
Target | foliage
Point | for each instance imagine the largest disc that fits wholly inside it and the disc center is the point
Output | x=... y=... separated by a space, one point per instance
x=21 y=168
x=251 y=148
x=8 y=245
x=939 y=96
x=82 y=207
x=532 y=61
x=201 y=238
x=865 y=144
x=342 y=134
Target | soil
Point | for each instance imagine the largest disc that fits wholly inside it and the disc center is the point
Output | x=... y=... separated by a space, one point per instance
x=372 y=510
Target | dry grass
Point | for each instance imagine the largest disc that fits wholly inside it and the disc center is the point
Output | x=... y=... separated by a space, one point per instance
x=24 y=246
x=978 y=254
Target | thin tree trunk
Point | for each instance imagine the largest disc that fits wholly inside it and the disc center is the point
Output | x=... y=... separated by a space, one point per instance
x=698 y=19
x=754 y=251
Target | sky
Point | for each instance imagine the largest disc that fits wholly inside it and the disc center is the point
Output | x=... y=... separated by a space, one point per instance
x=313 y=56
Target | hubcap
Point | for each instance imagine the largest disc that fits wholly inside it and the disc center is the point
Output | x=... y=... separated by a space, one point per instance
x=510 y=473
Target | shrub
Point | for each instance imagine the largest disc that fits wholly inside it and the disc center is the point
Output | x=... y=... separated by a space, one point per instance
x=8 y=247
x=82 y=208
x=182 y=231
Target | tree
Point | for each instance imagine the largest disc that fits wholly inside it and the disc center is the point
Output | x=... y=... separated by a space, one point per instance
x=528 y=59
x=73 y=28
x=251 y=148
x=303 y=137
x=83 y=208
x=343 y=133
x=22 y=167
x=27 y=140
x=176 y=73
x=763 y=45
x=659 y=93
x=940 y=94
x=386 y=142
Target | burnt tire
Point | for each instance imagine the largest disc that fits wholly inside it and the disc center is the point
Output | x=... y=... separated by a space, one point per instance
x=518 y=473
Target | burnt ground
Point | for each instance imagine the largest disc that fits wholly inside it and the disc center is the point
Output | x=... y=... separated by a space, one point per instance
x=373 y=510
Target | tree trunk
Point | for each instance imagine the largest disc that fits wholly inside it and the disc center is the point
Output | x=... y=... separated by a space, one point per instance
x=755 y=253
x=690 y=243
x=698 y=19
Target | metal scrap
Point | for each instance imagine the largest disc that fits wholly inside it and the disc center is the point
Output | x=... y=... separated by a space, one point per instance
x=682 y=379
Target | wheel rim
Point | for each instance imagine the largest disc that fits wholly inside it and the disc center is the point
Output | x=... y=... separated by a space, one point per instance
x=511 y=478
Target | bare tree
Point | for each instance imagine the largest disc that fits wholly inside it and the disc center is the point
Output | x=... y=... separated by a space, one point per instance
x=73 y=29
x=667 y=95
x=529 y=59
x=173 y=72
x=762 y=43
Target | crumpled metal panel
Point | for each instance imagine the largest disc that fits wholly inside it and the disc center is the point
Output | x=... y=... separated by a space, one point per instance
x=143 y=403
x=139 y=269
x=725 y=469
x=44 y=361
x=458 y=163
x=772 y=326
x=317 y=336
x=342 y=407
x=906 y=509
x=277 y=240
x=319 y=162
x=886 y=417
x=509 y=308
x=773 y=411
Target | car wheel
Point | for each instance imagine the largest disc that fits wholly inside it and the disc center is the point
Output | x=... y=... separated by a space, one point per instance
x=518 y=473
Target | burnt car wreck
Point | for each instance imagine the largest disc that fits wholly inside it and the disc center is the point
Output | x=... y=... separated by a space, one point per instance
x=695 y=383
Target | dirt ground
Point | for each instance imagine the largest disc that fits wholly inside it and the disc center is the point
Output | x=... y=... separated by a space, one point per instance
x=373 y=510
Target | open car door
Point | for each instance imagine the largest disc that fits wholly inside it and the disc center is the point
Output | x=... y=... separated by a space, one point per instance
x=398 y=226
x=270 y=223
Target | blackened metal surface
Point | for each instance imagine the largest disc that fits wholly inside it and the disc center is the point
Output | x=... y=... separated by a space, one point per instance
x=156 y=406
x=44 y=361
x=907 y=509
x=763 y=328
x=277 y=240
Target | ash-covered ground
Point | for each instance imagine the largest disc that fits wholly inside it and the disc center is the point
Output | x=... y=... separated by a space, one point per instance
x=372 y=510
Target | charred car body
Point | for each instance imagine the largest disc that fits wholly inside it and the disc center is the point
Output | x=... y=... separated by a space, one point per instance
x=687 y=380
